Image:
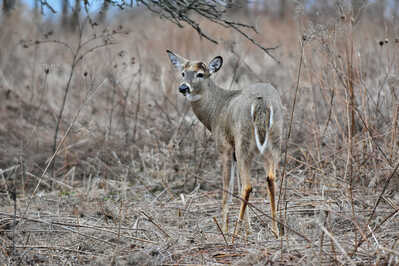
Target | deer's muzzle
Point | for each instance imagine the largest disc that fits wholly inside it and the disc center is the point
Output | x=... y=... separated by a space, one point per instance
x=183 y=88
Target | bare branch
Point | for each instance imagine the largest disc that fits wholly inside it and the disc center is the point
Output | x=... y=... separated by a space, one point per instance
x=46 y=4
x=180 y=12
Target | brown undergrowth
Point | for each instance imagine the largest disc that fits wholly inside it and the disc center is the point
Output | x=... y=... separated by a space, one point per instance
x=135 y=179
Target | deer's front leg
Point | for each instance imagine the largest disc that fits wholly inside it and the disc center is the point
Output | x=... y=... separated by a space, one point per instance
x=244 y=162
x=228 y=185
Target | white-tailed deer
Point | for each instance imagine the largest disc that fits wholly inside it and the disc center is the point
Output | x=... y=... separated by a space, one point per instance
x=245 y=123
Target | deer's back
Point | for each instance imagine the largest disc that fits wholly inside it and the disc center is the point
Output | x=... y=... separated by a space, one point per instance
x=235 y=119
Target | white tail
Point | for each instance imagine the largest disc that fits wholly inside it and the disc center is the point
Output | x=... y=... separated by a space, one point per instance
x=262 y=147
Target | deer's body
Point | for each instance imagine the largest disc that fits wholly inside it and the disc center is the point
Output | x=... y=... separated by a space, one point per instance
x=226 y=113
x=245 y=123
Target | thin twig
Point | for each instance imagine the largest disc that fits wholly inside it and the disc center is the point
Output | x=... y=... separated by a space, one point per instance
x=383 y=191
x=290 y=125
x=66 y=225
x=54 y=248
x=375 y=229
x=46 y=4
x=220 y=230
x=154 y=223
x=337 y=243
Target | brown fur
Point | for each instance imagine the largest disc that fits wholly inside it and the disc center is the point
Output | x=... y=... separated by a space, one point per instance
x=227 y=114
x=197 y=67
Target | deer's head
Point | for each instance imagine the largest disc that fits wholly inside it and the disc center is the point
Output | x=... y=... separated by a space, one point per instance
x=193 y=74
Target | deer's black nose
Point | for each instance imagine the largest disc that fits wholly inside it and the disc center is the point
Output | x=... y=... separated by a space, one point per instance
x=184 y=88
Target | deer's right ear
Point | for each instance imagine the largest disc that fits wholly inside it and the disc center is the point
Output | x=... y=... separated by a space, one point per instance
x=176 y=60
x=215 y=64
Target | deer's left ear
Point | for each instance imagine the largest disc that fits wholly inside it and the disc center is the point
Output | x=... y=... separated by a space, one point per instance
x=176 y=60
x=215 y=64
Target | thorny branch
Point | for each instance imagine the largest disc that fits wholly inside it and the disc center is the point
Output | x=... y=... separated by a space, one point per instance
x=214 y=11
x=180 y=12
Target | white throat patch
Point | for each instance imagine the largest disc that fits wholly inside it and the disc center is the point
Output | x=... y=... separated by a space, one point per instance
x=193 y=98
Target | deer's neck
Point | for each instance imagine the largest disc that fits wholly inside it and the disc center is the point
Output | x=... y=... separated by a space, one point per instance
x=209 y=106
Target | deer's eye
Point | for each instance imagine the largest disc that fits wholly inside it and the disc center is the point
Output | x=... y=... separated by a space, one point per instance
x=182 y=73
x=200 y=75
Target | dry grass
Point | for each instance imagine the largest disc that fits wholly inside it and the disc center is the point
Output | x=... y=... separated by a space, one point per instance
x=136 y=178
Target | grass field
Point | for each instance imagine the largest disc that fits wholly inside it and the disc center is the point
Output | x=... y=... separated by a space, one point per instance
x=134 y=177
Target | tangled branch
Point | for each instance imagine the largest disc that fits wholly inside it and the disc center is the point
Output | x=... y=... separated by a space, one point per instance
x=181 y=12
